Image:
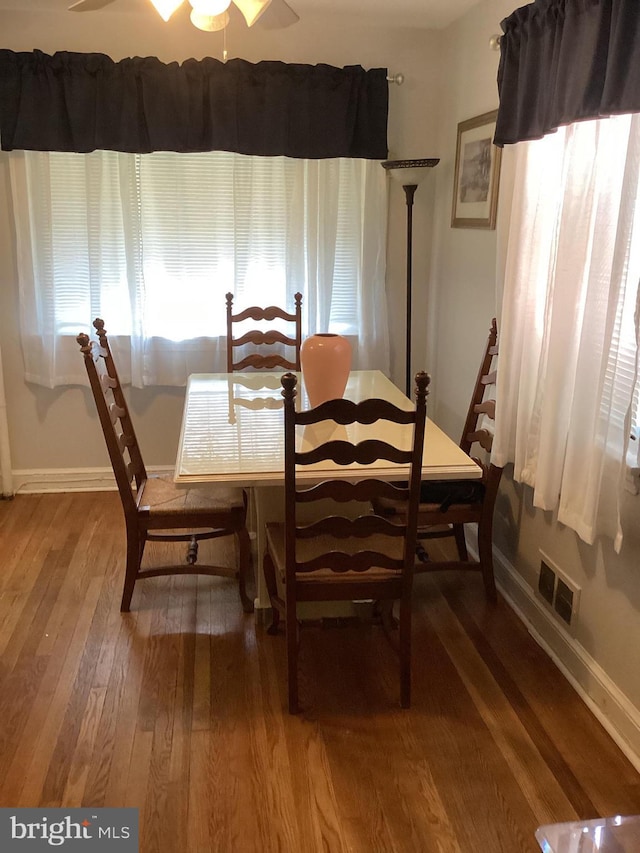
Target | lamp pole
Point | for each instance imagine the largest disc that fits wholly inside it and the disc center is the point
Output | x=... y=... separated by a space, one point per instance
x=409 y=173
x=409 y=191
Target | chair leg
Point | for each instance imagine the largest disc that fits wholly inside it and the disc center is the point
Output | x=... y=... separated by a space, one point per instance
x=243 y=543
x=404 y=651
x=269 y=571
x=292 y=658
x=422 y=555
x=461 y=542
x=383 y=611
x=135 y=550
x=485 y=552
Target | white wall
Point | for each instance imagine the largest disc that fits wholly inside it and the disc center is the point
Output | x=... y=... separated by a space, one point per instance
x=62 y=429
x=600 y=656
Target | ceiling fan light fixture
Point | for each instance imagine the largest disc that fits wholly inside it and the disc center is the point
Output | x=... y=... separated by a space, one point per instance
x=166 y=8
x=209 y=23
x=252 y=9
x=210 y=8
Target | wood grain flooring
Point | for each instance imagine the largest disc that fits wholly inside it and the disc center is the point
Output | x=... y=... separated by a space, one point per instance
x=179 y=709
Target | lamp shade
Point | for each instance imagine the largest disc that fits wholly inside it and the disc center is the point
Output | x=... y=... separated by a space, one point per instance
x=409 y=172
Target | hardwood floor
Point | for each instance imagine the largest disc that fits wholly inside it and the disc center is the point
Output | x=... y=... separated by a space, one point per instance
x=179 y=709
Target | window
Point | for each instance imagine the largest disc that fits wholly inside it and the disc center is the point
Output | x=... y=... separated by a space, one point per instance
x=569 y=320
x=152 y=243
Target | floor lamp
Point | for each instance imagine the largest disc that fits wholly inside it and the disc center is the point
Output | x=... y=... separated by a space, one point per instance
x=409 y=173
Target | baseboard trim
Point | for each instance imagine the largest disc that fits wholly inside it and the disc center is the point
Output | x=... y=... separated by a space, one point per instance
x=55 y=480
x=616 y=713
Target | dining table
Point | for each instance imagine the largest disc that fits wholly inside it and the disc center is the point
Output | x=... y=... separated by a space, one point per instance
x=233 y=434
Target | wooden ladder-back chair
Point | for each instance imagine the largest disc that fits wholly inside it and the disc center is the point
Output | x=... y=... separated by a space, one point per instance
x=340 y=558
x=157 y=504
x=447 y=505
x=257 y=337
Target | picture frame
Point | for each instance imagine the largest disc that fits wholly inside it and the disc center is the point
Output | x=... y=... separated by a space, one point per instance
x=477 y=174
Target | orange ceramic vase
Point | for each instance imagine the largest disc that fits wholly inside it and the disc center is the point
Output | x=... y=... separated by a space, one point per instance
x=326 y=361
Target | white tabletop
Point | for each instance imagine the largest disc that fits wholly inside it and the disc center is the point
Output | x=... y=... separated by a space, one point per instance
x=232 y=432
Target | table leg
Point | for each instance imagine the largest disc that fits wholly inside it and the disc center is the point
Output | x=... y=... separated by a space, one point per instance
x=269 y=506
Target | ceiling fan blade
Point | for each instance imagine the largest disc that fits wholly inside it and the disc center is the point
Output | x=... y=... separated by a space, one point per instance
x=166 y=8
x=278 y=15
x=88 y=5
x=252 y=9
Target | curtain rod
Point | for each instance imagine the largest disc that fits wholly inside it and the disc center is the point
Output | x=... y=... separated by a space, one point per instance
x=396 y=78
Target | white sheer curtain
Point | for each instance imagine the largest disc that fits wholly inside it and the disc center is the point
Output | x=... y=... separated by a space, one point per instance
x=152 y=243
x=568 y=331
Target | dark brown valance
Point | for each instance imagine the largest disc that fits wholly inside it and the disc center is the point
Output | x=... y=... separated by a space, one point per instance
x=567 y=60
x=83 y=102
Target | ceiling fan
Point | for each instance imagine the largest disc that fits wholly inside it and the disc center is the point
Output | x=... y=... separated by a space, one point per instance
x=212 y=15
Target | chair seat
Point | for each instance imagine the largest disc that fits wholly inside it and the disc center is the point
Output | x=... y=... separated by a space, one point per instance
x=307 y=549
x=161 y=496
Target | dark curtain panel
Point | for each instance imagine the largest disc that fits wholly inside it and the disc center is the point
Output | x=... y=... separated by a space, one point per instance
x=83 y=102
x=566 y=60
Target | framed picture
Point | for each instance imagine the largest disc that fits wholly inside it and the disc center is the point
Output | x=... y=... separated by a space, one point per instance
x=477 y=174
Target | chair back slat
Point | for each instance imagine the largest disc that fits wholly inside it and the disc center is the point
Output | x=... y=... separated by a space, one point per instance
x=345 y=453
x=482 y=437
x=259 y=338
x=271 y=312
x=342 y=562
x=262 y=362
x=116 y=413
x=119 y=434
x=364 y=490
x=267 y=338
x=347 y=412
x=105 y=380
x=487 y=408
x=258 y=403
x=122 y=442
x=344 y=528
x=396 y=557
